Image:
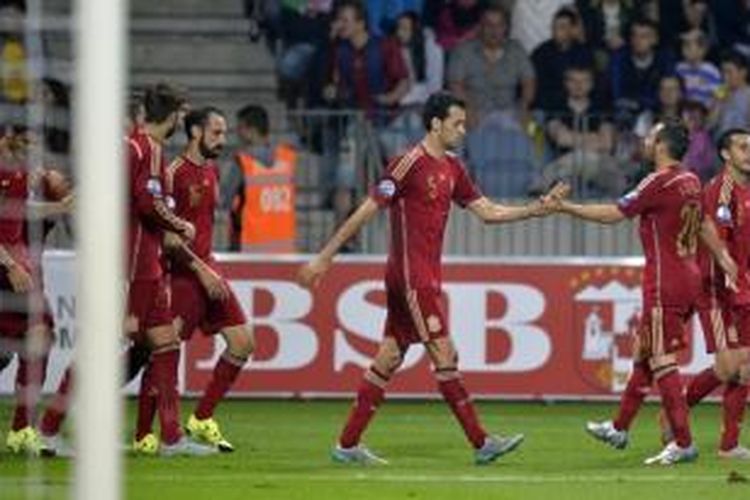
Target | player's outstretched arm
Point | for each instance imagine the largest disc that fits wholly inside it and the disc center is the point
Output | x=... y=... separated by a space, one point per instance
x=714 y=243
x=495 y=213
x=601 y=213
x=36 y=210
x=310 y=274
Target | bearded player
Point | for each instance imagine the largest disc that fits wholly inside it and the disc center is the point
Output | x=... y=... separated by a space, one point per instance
x=668 y=203
x=149 y=316
x=201 y=298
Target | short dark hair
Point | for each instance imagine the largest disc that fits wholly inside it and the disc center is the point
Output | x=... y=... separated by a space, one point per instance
x=676 y=136
x=438 y=106
x=645 y=22
x=735 y=58
x=725 y=139
x=568 y=13
x=360 y=11
x=254 y=116
x=580 y=68
x=199 y=117
x=496 y=8
x=135 y=106
x=161 y=100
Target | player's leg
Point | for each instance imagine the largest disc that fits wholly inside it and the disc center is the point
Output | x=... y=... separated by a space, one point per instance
x=150 y=302
x=734 y=401
x=615 y=432
x=667 y=337
x=32 y=370
x=714 y=325
x=54 y=416
x=444 y=359
x=370 y=395
x=201 y=424
x=145 y=441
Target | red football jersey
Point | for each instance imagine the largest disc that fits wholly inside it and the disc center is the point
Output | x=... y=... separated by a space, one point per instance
x=419 y=189
x=14 y=192
x=669 y=205
x=148 y=213
x=195 y=191
x=727 y=203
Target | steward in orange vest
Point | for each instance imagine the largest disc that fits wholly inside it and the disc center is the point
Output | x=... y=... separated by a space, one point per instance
x=266 y=206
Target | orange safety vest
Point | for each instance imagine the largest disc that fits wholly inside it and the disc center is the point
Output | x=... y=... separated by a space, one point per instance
x=268 y=216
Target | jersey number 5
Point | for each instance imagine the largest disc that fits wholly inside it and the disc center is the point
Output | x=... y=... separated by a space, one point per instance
x=687 y=240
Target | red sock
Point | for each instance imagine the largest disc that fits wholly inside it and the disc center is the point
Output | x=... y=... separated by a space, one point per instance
x=55 y=413
x=369 y=396
x=164 y=380
x=29 y=381
x=146 y=405
x=701 y=386
x=733 y=403
x=225 y=373
x=457 y=397
x=639 y=385
x=675 y=406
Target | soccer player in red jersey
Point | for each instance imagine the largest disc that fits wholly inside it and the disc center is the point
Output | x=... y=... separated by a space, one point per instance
x=725 y=312
x=418 y=189
x=201 y=298
x=25 y=319
x=669 y=206
x=149 y=317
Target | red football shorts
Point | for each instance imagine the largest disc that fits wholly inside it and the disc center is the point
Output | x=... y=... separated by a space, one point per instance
x=192 y=305
x=149 y=303
x=663 y=329
x=414 y=316
x=725 y=327
x=16 y=317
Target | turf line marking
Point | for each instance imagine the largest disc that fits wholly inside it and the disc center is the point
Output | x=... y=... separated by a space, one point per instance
x=446 y=479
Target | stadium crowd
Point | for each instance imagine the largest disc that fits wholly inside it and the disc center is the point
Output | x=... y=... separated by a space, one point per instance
x=555 y=88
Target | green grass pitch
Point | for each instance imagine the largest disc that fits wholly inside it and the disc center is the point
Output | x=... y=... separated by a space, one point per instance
x=283 y=451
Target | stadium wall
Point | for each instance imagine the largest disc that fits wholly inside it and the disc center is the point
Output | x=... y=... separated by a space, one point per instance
x=525 y=328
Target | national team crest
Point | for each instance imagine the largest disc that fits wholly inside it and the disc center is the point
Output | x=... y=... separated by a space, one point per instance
x=605 y=319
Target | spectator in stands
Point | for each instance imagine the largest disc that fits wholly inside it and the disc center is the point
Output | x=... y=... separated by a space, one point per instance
x=582 y=133
x=366 y=72
x=701 y=78
x=486 y=72
x=303 y=31
x=531 y=21
x=456 y=22
x=732 y=106
x=698 y=16
x=670 y=98
x=423 y=57
x=14 y=83
x=733 y=24
x=553 y=57
x=607 y=22
x=382 y=15
x=259 y=188
x=637 y=68
x=701 y=155
x=424 y=61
